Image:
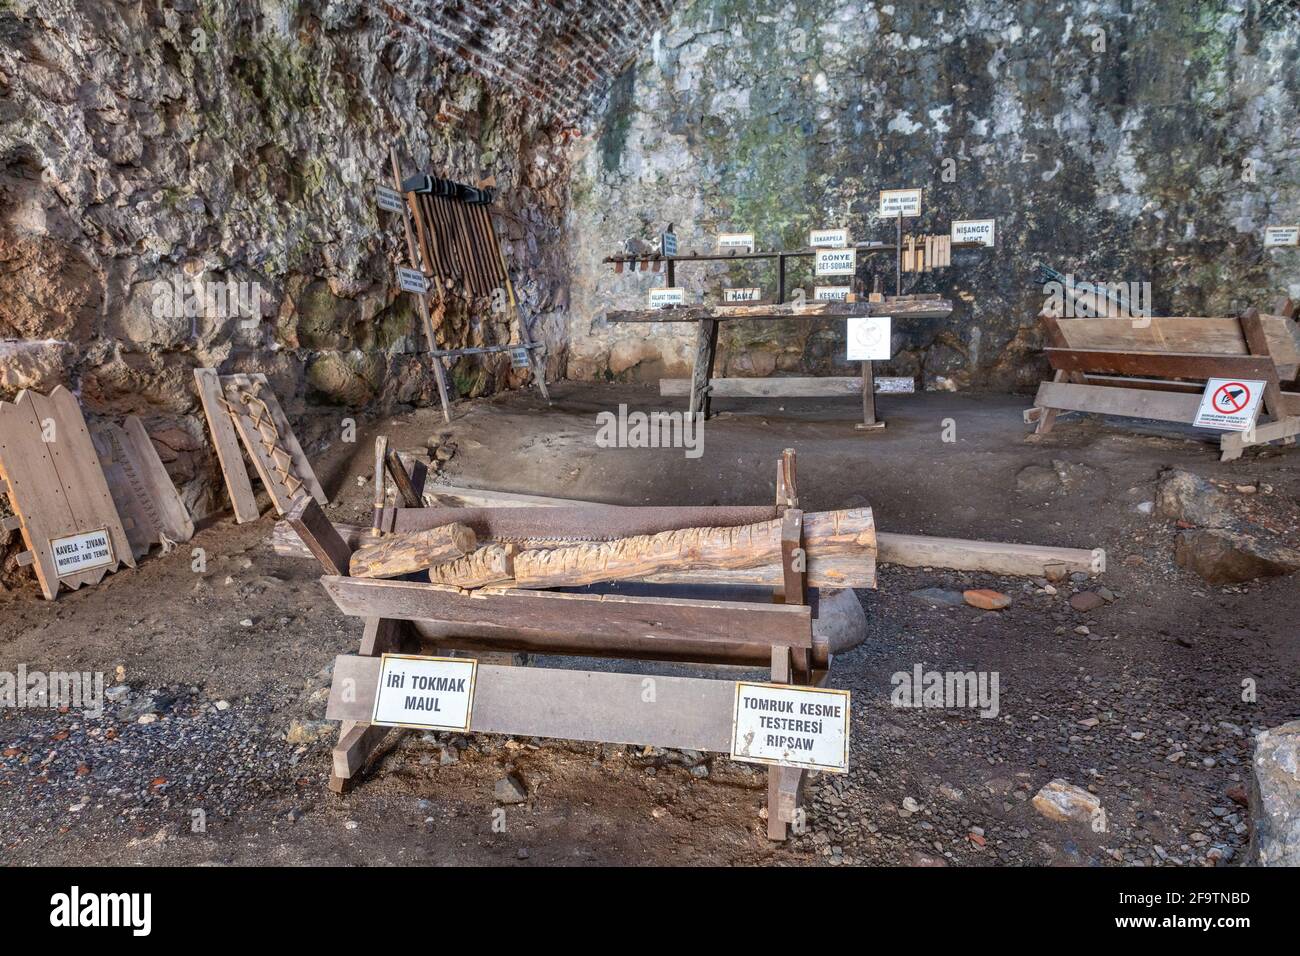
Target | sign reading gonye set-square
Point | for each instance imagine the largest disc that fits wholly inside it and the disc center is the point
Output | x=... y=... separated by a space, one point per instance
x=81 y=552
x=792 y=726
x=432 y=693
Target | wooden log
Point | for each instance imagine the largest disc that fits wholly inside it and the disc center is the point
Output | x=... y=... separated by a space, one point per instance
x=995 y=557
x=321 y=538
x=694 y=549
x=490 y=564
x=402 y=481
x=398 y=554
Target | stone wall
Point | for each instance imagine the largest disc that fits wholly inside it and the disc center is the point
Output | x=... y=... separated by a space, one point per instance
x=1112 y=140
x=200 y=146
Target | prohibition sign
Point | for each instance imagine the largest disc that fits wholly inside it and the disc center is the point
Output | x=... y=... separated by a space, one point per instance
x=1230 y=398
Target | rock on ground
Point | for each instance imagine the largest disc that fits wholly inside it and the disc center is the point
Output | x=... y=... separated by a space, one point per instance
x=841 y=620
x=1224 y=557
x=1064 y=802
x=1275 y=797
x=1185 y=497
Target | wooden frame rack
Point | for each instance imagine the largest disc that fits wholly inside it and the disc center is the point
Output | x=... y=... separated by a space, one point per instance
x=1155 y=368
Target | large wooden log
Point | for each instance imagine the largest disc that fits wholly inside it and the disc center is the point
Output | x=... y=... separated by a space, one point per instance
x=397 y=554
x=641 y=557
x=490 y=564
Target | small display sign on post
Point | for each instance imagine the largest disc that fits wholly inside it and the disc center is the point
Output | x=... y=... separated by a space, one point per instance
x=973 y=230
x=830 y=293
x=791 y=726
x=81 y=552
x=868 y=338
x=1229 y=404
x=900 y=203
x=431 y=693
x=671 y=295
x=736 y=242
x=412 y=280
x=519 y=357
x=1275 y=236
x=828 y=238
x=389 y=199
x=668 y=243
x=835 y=262
x=742 y=295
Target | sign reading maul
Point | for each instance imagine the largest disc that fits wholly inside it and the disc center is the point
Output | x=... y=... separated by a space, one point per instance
x=431 y=693
x=791 y=726
x=1229 y=404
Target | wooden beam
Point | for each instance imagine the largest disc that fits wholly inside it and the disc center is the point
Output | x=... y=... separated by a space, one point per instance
x=1126 y=402
x=829 y=386
x=916 y=308
x=224 y=440
x=1162 y=364
x=918 y=551
x=320 y=537
x=685 y=713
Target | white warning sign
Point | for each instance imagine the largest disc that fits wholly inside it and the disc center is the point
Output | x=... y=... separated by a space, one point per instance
x=1229 y=404
x=433 y=693
x=791 y=726
x=81 y=552
x=868 y=338
x=661 y=297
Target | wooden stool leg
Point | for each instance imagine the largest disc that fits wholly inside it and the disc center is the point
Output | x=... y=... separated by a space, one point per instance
x=777 y=828
x=359 y=740
x=706 y=347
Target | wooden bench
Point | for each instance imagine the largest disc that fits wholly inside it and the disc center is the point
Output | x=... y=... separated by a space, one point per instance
x=645 y=624
x=1156 y=368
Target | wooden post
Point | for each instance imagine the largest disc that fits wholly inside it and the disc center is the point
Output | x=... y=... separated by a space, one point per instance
x=780 y=279
x=1252 y=329
x=706 y=346
x=381 y=457
x=358 y=740
x=869 y=421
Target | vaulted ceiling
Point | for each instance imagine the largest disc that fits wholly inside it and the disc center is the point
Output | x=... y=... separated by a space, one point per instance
x=562 y=53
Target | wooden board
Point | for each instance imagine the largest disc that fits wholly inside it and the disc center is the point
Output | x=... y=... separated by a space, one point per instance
x=269 y=441
x=142 y=490
x=1161 y=364
x=1127 y=402
x=828 y=386
x=917 y=308
x=1222 y=336
x=226 y=444
x=620 y=621
x=995 y=557
x=687 y=712
x=57 y=488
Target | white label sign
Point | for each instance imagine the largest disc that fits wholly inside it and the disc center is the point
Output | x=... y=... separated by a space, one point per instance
x=738 y=241
x=742 y=295
x=828 y=238
x=519 y=357
x=81 y=552
x=1281 y=236
x=791 y=726
x=836 y=262
x=868 y=338
x=412 y=280
x=1229 y=404
x=669 y=296
x=388 y=199
x=668 y=243
x=830 y=293
x=973 y=230
x=899 y=203
x=434 y=693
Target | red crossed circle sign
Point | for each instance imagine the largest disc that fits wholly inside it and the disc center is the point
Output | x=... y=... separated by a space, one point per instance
x=1230 y=398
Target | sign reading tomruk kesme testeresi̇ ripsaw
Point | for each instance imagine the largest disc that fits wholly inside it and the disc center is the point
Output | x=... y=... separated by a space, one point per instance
x=835 y=262
x=792 y=726
x=1281 y=236
x=1229 y=404
x=431 y=693
x=900 y=203
x=673 y=295
x=81 y=552
x=973 y=230
x=868 y=338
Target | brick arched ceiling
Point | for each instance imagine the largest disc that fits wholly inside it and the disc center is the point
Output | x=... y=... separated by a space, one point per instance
x=564 y=54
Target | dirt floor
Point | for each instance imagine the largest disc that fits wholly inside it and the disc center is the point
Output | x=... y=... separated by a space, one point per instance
x=214 y=750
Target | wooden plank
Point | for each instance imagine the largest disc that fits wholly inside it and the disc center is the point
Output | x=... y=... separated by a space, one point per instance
x=35 y=492
x=320 y=538
x=996 y=557
x=706 y=350
x=634 y=621
x=1161 y=364
x=402 y=483
x=1253 y=329
x=269 y=452
x=918 y=308
x=687 y=713
x=829 y=386
x=411 y=551
x=133 y=506
x=140 y=486
x=226 y=444
x=301 y=463
x=1233 y=443
x=1126 y=402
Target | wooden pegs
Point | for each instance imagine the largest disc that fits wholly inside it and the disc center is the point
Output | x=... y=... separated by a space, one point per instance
x=381 y=457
